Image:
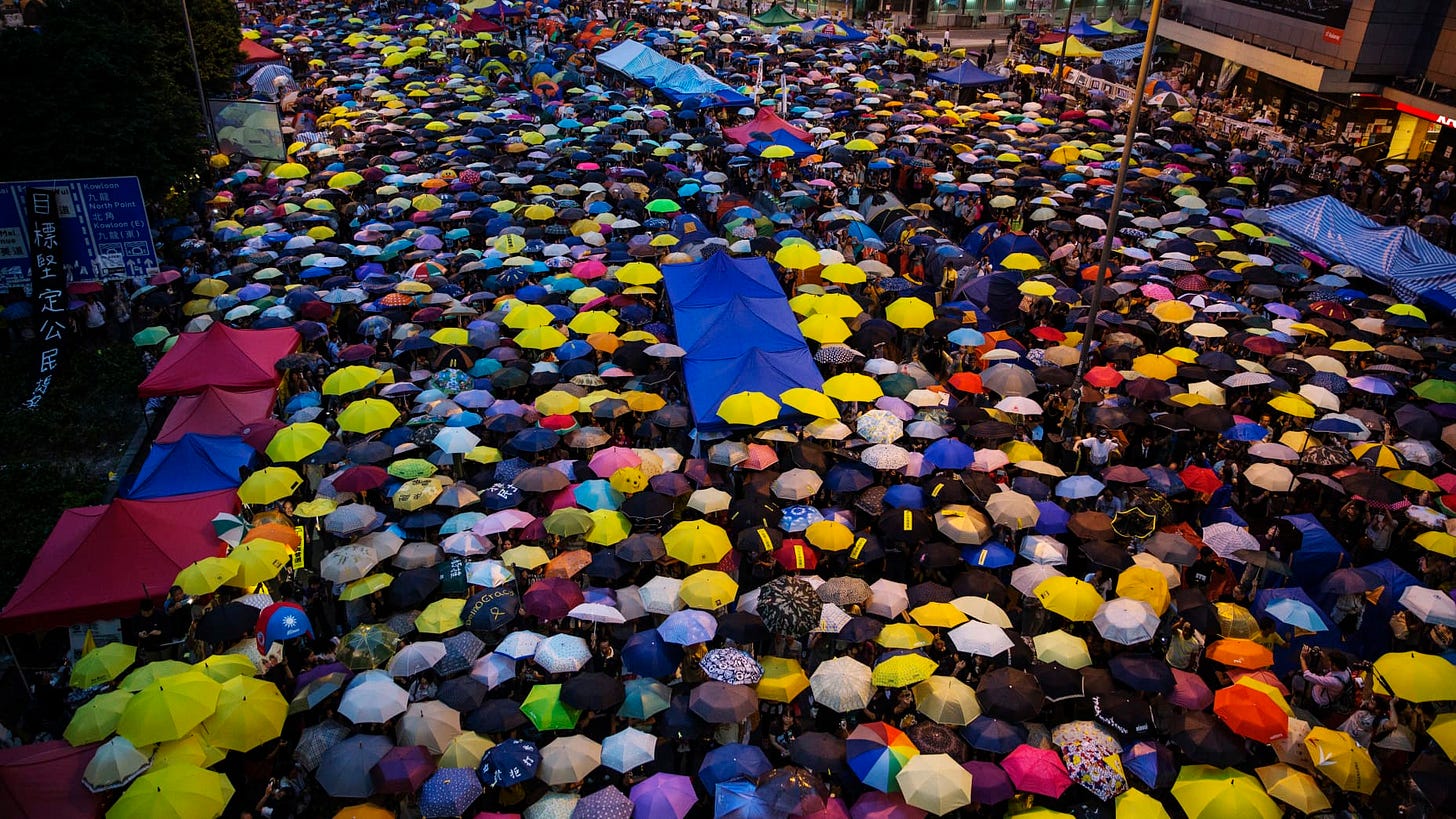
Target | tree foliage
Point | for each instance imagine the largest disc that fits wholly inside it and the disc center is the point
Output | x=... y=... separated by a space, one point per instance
x=106 y=88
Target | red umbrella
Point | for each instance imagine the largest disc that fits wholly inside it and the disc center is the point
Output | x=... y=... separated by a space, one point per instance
x=360 y=479
x=1200 y=479
x=1103 y=376
x=1037 y=770
x=1251 y=713
x=796 y=555
x=551 y=598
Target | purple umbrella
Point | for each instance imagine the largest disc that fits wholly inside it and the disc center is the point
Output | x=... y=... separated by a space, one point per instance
x=607 y=803
x=664 y=796
x=319 y=671
x=402 y=770
x=990 y=785
x=739 y=799
x=876 y=805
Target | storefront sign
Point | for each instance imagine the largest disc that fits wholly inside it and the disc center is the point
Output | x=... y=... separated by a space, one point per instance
x=1430 y=116
x=1332 y=13
x=1334 y=35
x=47 y=286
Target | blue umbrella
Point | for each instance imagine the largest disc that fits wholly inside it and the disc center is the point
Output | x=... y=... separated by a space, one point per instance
x=993 y=735
x=1079 y=486
x=849 y=476
x=798 y=518
x=449 y=792
x=950 y=453
x=688 y=626
x=509 y=763
x=734 y=761
x=598 y=494
x=1053 y=518
x=1296 y=613
x=647 y=654
x=1151 y=762
x=607 y=803
x=534 y=439
x=905 y=496
x=991 y=555
x=1246 y=432
x=739 y=799
x=1164 y=480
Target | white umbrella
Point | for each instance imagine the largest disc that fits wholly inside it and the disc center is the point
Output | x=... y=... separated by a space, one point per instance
x=456 y=440
x=114 y=765
x=979 y=608
x=980 y=638
x=628 y=749
x=563 y=653
x=348 y=563
x=795 y=485
x=416 y=658
x=710 y=500
x=596 y=613
x=1226 y=538
x=660 y=595
x=1126 y=621
x=1430 y=605
x=373 y=698
x=520 y=645
x=1272 y=477
x=842 y=684
x=1027 y=578
x=888 y=599
x=1044 y=549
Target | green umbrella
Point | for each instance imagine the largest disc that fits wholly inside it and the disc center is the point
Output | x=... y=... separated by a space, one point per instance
x=1437 y=390
x=569 y=522
x=663 y=206
x=150 y=336
x=368 y=646
x=411 y=468
x=543 y=706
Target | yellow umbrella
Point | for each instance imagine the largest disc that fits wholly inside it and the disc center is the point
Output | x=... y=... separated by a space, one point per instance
x=269 y=484
x=1134 y=804
x=441 y=616
x=1023 y=261
x=910 y=313
x=557 y=402
x=810 y=402
x=351 y=379
x=776 y=152
x=206 y=575
x=1442 y=730
x=249 y=712
x=174 y=792
x=1145 y=584
x=855 y=387
x=697 y=542
x=96 y=720
x=510 y=243
x=609 y=527
x=525 y=557
x=102 y=664
x=937 y=615
x=824 y=329
x=1292 y=404
x=1412 y=479
x=903 y=670
x=829 y=535
x=708 y=590
x=1415 y=677
x=151 y=672
x=639 y=273
x=842 y=273
x=1072 y=598
x=169 y=708
x=1293 y=787
x=904 y=635
x=594 y=321
x=1338 y=756
x=748 y=409
x=1206 y=792
x=644 y=401
x=290 y=170
x=1442 y=543
x=523 y=316
x=1236 y=621
x=1173 y=312
x=297 y=441
x=947 y=700
x=842 y=305
x=368 y=415
x=783 y=680
x=189 y=750
x=258 y=562
x=451 y=336
x=541 y=338
x=797 y=257
x=346 y=179
x=1062 y=648
x=1156 y=366
x=224 y=667
x=365 y=586
x=465 y=750
x=860 y=145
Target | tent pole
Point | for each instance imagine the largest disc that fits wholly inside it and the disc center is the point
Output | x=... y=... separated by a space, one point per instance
x=1105 y=260
x=24 y=680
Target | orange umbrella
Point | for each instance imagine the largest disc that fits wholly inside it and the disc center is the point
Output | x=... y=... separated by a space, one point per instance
x=1241 y=653
x=1251 y=713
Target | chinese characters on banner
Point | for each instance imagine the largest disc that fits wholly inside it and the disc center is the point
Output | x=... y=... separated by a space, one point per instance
x=47 y=286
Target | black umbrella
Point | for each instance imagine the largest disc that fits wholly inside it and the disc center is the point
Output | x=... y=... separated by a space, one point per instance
x=1205 y=740
x=819 y=752
x=1142 y=672
x=993 y=735
x=647 y=506
x=1126 y=714
x=758 y=539
x=743 y=627
x=412 y=588
x=1058 y=683
x=934 y=738
x=723 y=703
x=1010 y=694
x=641 y=547
x=227 y=623
x=789 y=606
x=494 y=717
x=793 y=790
x=463 y=693
x=593 y=691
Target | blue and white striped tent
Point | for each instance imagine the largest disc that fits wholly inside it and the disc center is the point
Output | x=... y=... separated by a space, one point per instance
x=1397 y=257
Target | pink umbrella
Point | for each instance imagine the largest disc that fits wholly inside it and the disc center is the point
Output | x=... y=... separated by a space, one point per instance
x=608 y=461
x=834 y=808
x=1190 y=691
x=1037 y=770
x=1156 y=292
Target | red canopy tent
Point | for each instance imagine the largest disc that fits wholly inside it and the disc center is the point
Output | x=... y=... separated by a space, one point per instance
x=100 y=560
x=216 y=412
x=220 y=357
x=764 y=122
x=255 y=52
x=43 y=781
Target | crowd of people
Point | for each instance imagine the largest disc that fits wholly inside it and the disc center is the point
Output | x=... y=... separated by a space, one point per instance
x=979 y=564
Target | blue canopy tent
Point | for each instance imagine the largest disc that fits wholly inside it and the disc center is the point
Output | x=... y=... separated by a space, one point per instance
x=967 y=74
x=683 y=84
x=1319 y=553
x=1083 y=30
x=1394 y=256
x=739 y=333
x=192 y=463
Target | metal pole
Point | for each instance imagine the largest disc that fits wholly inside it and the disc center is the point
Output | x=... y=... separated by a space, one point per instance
x=1105 y=261
x=197 y=74
x=1062 y=55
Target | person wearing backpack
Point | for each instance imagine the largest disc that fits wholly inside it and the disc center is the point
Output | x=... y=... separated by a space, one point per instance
x=1324 y=683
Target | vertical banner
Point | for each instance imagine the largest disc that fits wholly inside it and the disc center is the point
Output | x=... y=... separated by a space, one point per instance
x=47 y=286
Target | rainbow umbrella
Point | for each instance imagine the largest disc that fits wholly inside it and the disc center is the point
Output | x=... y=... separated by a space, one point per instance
x=877 y=752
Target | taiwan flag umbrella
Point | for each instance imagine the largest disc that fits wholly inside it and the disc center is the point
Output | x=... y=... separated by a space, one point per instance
x=877 y=752
x=279 y=622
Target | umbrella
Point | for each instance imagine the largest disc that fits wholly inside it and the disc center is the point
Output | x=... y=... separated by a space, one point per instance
x=1037 y=770
x=344 y=769
x=1206 y=792
x=628 y=749
x=175 y=790
x=663 y=796
x=509 y=763
x=567 y=760
x=449 y=792
x=114 y=764
x=935 y=783
x=789 y=606
x=1339 y=757
x=877 y=753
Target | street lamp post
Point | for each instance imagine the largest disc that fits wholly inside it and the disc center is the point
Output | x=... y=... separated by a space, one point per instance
x=1105 y=260
x=1062 y=55
x=197 y=74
